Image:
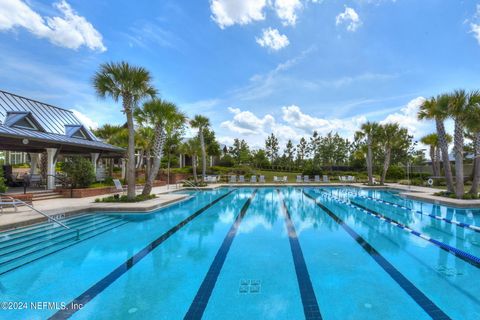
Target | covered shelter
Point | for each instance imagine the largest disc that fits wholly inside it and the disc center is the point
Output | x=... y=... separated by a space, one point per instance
x=37 y=128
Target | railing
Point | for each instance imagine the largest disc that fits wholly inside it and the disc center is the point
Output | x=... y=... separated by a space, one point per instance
x=191 y=184
x=42 y=213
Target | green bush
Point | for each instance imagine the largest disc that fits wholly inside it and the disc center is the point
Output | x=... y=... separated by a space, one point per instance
x=226 y=161
x=3 y=187
x=395 y=173
x=79 y=172
x=117 y=198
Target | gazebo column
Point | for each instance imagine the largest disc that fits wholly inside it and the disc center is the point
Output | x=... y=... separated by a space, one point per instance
x=51 y=161
x=124 y=168
x=34 y=160
x=95 y=157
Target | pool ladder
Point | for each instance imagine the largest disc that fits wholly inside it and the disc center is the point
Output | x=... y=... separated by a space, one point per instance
x=191 y=184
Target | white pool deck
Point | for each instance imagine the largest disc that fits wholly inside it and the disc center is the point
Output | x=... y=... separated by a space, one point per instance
x=63 y=207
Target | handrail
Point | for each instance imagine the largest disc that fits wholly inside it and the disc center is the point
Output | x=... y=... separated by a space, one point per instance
x=191 y=184
x=43 y=214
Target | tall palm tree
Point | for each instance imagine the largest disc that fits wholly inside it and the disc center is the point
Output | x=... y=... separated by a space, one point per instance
x=437 y=109
x=369 y=131
x=160 y=115
x=390 y=136
x=190 y=148
x=131 y=84
x=431 y=140
x=200 y=122
x=473 y=125
x=457 y=108
x=144 y=139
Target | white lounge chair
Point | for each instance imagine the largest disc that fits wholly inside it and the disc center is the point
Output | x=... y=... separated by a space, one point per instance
x=299 y=179
x=262 y=179
x=8 y=203
x=325 y=178
x=118 y=186
x=306 y=179
x=285 y=179
x=317 y=178
x=374 y=181
x=253 y=179
x=241 y=179
x=276 y=179
x=232 y=179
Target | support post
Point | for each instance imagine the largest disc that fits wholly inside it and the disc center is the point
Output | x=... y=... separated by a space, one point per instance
x=94 y=157
x=51 y=161
x=124 y=168
x=34 y=160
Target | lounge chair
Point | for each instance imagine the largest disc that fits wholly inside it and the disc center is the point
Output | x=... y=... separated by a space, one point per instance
x=276 y=179
x=285 y=179
x=232 y=179
x=118 y=186
x=306 y=179
x=299 y=179
x=317 y=178
x=374 y=181
x=253 y=179
x=241 y=179
x=262 y=179
x=325 y=178
x=9 y=203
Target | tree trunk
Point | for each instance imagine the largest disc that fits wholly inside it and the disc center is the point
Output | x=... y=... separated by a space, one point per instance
x=369 y=161
x=386 y=164
x=432 y=158
x=442 y=139
x=458 y=150
x=128 y=108
x=194 y=168
x=437 y=161
x=158 y=143
x=476 y=175
x=204 y=154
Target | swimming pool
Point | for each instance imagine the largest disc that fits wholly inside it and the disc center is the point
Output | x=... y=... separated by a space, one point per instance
x=252 y=253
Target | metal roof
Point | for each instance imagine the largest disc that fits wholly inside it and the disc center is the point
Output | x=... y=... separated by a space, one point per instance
x=53 y=120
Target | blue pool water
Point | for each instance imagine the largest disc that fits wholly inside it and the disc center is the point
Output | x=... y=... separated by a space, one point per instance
x=251 y=253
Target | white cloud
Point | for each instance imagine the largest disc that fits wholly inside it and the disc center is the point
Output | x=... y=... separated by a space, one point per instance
x=407 y=117
x=247 y=123
x=287 y=10
x=85 y=120
x=229 y=12
x=349 y=17
x=475 y=27
x=272 y=39
x=70 y=30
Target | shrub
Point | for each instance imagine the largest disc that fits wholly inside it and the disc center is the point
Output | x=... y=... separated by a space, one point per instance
x=226 y=161
x=117 y=198
x=79 y=172
x=3 y=187
x=395 y=173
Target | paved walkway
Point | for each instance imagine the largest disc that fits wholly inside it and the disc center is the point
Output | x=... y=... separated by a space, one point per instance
x=63 y=207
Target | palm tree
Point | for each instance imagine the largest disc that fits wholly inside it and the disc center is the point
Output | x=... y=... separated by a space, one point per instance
x=431 y=140
x=390 y=136
x=144 y=142
x=473 y=125
x=200 y=122
x=190 y=148
x=131 y=84
x=160 y=115
x=369 y=131
x=437 y=109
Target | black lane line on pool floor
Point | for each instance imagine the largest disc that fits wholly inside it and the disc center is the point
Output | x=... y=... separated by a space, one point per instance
x=197 y=308
x=104 y=283
x=416 y=294
x=309 y=300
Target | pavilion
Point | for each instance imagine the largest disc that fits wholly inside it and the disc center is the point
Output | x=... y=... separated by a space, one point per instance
x=36 y=128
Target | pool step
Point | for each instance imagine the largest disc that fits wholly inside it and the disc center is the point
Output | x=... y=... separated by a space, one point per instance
x=27 y=246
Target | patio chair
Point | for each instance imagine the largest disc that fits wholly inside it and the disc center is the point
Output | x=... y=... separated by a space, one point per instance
x=285 y=179
x=276 y=179
x=262 y=179
x=241 y=179
x=299 y=179
x=118 y=186
x=317 y=178
x=253 y=179
x=325 y=178
x=232 y=179
x=374 y=181
x=306 y=179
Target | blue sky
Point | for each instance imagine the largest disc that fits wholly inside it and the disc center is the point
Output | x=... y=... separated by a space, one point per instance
x=252 y=66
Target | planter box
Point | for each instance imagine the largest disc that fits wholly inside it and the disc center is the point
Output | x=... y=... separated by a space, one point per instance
x=85 y=192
